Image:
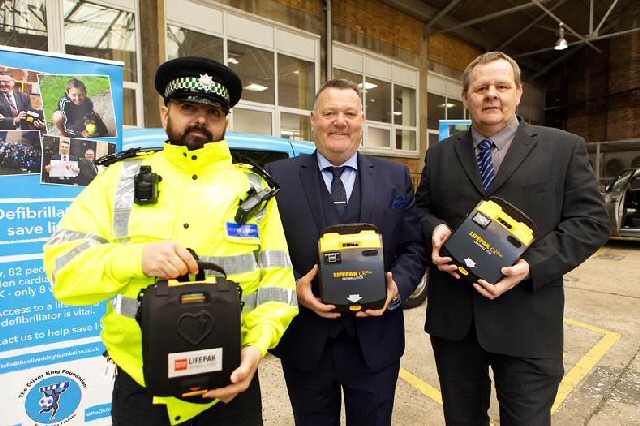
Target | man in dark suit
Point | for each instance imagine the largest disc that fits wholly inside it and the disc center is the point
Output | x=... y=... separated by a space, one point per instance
x=324 y=353
x=514 y=325
x=14 y=106
x=71 y=164
x=88 y=169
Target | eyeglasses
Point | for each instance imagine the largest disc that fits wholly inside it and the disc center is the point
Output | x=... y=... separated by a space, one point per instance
x=8 y=83
x=333 y=115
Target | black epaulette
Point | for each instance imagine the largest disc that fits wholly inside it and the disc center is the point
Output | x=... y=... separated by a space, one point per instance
x=109 y=159
x=256 y=200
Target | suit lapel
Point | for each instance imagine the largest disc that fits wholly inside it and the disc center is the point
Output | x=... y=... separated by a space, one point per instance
x=466 y=154
x=311 y=188
x=522 y=144
x=368 y=177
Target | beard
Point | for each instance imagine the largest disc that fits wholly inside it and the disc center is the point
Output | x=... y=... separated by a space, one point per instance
x=194 y=136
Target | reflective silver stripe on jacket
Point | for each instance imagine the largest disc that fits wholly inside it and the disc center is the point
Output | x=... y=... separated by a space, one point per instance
x=124 y=198
x=269 y=294
x=256 y=182
x=233 y=265
x=274 y=259
x=127 y=306
x=64 y=235
x=63 y=260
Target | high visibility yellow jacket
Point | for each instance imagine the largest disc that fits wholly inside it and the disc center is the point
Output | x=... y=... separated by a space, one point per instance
x=96 y=253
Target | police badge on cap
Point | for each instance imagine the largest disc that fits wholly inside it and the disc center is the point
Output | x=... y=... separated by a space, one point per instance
x=198 y=79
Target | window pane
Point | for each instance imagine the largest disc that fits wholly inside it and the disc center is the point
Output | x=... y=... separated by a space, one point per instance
x=250 y=121
x=296 y=87
x=378 y=138
x=404 y=106
x=406 y=140
x=295 y=126
x=455 y=110
x=356 y=78
x=435 y=110
x=130 y=117
x=256 y=156
x=101 y=32
x=433 y=138
x=255 y=68
x=183 y=42
x=24 y=24
x=378 y=98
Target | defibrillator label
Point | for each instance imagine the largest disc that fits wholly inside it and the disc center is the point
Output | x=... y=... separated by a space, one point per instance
x=194 y=362
x=245 y=230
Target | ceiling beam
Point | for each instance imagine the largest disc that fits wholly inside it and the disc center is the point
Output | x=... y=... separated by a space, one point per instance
x=441 y=14
x=425 y=13
x=528 y=26
x=571 y=30
x=491 y=16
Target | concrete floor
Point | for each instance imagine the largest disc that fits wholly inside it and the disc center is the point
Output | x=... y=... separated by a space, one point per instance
x=602 y=362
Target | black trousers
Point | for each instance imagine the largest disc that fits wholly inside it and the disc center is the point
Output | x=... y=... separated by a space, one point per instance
x=316 y=396
x=525 y=387
x=132 y=406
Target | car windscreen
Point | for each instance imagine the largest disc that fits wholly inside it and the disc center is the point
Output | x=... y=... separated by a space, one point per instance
x=256 y=156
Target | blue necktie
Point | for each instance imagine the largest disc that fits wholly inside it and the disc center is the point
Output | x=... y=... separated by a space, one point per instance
x=485 y=163
x=338 y=193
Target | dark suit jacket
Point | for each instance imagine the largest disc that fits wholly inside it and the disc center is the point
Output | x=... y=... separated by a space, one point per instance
x=387 y=201
x=546 y=174
x=87 y=172
x=23 y=103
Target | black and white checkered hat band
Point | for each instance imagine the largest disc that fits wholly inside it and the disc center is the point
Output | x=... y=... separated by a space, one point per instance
x=194 y=84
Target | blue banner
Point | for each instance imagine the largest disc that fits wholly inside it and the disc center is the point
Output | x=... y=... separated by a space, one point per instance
x=58 y=113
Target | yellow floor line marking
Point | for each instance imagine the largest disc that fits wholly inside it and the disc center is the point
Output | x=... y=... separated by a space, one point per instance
x=426 y=389
x=586 y=363
x=570 y=380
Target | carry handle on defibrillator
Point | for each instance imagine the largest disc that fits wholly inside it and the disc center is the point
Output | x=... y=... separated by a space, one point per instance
x=201 y=268
x=350 y=228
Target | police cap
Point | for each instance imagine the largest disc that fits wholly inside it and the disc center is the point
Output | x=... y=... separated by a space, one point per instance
x=198 y=79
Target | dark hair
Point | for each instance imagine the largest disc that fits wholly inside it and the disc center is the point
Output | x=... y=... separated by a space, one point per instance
x=75 y=83
x=338 y=83
x=485 y=58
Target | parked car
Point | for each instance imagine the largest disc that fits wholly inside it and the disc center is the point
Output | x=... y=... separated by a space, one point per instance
x=622 y=198
x=257 y=148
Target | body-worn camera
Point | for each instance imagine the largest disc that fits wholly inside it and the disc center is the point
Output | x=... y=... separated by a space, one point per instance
x=145 y=188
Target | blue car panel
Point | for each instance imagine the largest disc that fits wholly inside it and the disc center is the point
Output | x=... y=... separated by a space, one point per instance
x=155 y=137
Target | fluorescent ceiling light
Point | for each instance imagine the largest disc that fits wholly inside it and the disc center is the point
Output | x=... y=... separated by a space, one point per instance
x=253 y=87
x=447 y=105
x=367 y=86
x=397 y=113
x=232 y=60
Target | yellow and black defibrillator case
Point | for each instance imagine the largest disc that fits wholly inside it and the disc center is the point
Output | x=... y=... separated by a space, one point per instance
x=191 y=335
x=494 y=235
x=351 y=263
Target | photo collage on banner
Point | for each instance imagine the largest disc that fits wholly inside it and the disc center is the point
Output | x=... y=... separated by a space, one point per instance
x=58 y=115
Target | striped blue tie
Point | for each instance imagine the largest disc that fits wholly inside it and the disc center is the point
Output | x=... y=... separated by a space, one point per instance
x=485 y=163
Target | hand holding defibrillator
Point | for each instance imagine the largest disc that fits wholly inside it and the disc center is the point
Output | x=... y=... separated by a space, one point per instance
x=309 y=300
x=241 y=376
x=167 y=260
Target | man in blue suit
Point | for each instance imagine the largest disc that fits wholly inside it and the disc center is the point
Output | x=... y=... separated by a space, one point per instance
x=324 y=353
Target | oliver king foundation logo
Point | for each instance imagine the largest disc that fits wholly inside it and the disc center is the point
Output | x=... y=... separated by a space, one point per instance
x=53 y=397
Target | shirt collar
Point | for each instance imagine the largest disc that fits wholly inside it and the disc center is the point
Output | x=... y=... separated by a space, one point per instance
x=501 y=138
x=323 y=163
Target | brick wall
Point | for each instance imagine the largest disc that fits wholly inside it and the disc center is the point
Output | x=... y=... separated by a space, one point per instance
x=451 y=52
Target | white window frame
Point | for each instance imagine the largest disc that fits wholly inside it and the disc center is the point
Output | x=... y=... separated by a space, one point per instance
x=57 y=42
x=240 y=27
x=368 y=64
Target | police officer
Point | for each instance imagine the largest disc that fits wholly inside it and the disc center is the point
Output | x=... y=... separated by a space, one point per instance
x=110 y=247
